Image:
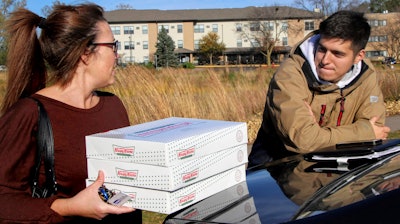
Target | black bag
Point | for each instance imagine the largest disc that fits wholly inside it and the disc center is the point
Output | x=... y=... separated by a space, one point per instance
x=45 y=150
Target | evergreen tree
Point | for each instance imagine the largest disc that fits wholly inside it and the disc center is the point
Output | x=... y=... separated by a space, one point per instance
x=379 y=6
x=165 y=50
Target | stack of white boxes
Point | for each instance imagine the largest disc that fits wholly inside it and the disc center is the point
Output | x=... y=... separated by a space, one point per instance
x=169 y=164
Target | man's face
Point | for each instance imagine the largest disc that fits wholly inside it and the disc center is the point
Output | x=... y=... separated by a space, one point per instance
x=334 y=58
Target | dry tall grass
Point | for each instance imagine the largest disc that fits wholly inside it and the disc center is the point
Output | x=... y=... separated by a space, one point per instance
x=225 y=94
x=389 y=79
x=390 y=82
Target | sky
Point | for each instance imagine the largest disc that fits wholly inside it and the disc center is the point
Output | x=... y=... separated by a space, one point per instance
x=37 y=5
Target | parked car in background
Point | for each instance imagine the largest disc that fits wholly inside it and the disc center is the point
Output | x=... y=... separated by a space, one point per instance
x=389 y=61
x=299 y=190
x=3 y=68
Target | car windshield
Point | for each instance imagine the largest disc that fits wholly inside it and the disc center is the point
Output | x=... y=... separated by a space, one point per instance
x=363 y=182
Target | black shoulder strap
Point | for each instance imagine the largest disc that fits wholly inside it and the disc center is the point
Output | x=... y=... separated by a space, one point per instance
x=45 y=148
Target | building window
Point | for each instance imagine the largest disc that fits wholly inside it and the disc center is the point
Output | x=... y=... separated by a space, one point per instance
x=377 y=39
x=116 y=30
x=377 y=22
x=166 y=27
x=146 y=59
x=129 y=45
x=128 y=30
x=254 y=43
x=284 y=41
x=285 y=26
x=199 y=28
x=130 y=59
x=254 y=26
x=371 y=54
x=196 y=44
x=180 y=29
x=309 y=25
x=145 y=45
x=238 y=27
x=180 y=43
x=239 y=43
x=268 y=26
x=215 y=28
x=145 y=29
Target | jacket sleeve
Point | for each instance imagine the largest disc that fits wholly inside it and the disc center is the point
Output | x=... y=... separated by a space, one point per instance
x=17 y=153
x=299 y=130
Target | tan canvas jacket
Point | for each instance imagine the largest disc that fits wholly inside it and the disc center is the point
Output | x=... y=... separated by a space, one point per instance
x=340 y=115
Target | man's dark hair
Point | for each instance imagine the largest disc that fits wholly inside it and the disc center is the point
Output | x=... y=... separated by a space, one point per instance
x=347 y=25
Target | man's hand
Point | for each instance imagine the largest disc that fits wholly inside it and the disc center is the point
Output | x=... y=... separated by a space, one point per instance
x=381 y=132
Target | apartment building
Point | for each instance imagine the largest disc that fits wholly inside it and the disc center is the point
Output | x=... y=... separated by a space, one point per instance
x=137 y=31
x=385 y=35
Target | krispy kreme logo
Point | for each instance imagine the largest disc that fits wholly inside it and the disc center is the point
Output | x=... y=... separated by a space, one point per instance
x=186 y=153
x=187 y=199
x=239 y=190
x=124 y=151
x=187 y=177
x=127 y=174
x=239 y=136
x=190 y=214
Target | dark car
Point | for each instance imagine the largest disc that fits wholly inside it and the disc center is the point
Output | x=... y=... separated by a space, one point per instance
x=389 y=61
x=358 y=185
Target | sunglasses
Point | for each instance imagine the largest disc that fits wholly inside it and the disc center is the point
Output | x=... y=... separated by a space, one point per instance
x=113 y=45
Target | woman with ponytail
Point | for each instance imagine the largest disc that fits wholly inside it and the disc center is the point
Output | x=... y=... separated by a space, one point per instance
x=74 y=55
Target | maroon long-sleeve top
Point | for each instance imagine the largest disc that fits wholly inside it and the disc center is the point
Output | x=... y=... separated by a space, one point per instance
x=18 y=149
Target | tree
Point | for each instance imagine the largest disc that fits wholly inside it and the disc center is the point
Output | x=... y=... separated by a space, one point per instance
x=211 y=47
x=165 y=56
x=265 y=30
x=46 y=10
x=6 y=7
x=328 y=7
x=379 y=6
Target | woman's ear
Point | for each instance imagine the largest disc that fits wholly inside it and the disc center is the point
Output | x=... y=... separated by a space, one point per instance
x=85 y=57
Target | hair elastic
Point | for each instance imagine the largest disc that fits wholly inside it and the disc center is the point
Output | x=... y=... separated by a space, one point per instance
x=42 y=23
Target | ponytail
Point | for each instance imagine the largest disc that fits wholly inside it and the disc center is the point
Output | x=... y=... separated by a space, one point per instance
x=25 y=64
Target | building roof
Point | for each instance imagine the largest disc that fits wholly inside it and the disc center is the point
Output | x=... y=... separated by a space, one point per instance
x=225 y=14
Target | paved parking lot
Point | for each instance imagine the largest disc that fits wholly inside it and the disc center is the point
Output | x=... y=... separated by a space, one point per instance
x=393 y=122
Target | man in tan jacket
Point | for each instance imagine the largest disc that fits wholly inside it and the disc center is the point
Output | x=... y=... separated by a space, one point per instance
x=324 y=93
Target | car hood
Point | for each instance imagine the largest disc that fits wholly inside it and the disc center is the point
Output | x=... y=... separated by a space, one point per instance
x=295 y=189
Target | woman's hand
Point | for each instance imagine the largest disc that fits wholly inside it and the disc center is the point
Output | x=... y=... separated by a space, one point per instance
x=87 y=203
